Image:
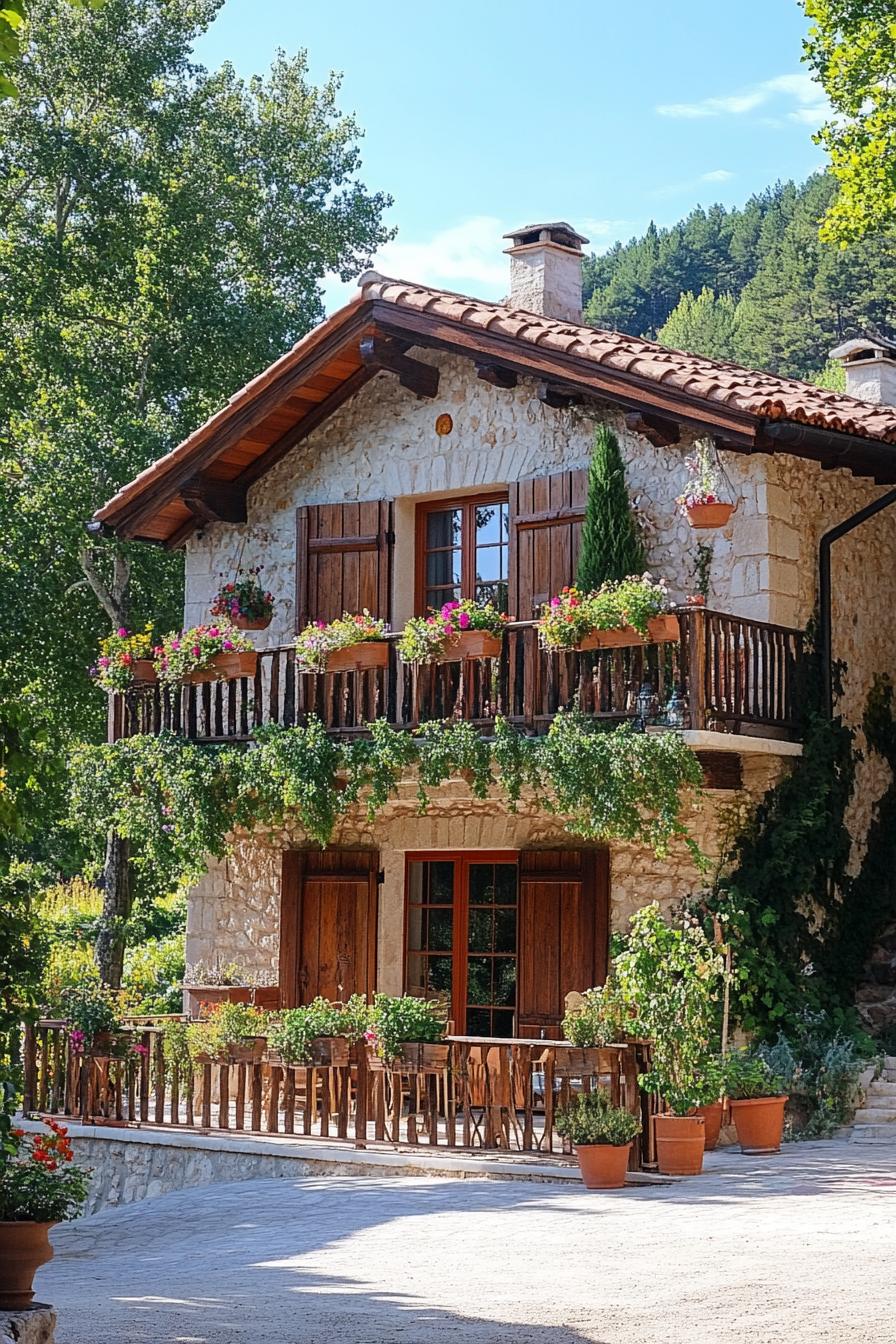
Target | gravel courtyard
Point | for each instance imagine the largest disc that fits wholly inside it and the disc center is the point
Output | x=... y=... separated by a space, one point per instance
x=798 y=1247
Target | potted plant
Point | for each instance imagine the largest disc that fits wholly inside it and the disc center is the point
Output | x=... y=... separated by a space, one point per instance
x=757 y=1095
x=629 y=612
x=406 y=1033
x=353 y=643
x=244 y=603
x=93 y=1015
x=228 y=1033
x=596 y=1018
x=672 y=975
x=124 y=659
x=460 y=630
x=228 y=983
x=320 y=1033
x=602 y=1135
x=701 y=501
x=40 y=1185
x=205 y=653
x=711 y=1087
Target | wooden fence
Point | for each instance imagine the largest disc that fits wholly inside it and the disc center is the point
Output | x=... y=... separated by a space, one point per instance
x=485 y=1094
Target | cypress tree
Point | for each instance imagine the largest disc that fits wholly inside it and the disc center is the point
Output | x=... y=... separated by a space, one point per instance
x=611 y=546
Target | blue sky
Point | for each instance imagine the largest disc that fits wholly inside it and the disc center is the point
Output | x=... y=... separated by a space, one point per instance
x=482 y=116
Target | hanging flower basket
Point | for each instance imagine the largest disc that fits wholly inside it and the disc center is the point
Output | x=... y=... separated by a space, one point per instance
x=708 y=515
x=244 y=603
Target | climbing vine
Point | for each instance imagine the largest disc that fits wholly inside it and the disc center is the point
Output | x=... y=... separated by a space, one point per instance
x=177 y=801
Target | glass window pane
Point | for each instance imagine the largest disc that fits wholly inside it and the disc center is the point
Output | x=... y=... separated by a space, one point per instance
x=479 y=1022
x=490 y=563
x=482 y=883
x=440 y=928
x=416 y=916
x=505 y=981
x=437 y=597
x=479 y=980
x=505 y=931
x=480 y=931
x=438 y=975
x=443 y=528
x=489 y=522
x=416 y=973
x=505 y=883
x=441 y=888
x=502 y=1023
x=442 y=568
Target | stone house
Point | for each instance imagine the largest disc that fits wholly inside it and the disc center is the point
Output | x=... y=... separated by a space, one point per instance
x=420 y=444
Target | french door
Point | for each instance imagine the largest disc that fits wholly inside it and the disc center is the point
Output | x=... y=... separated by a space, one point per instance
x=461 y=943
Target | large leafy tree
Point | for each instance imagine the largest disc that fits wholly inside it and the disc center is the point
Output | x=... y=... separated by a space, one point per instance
x=165 y=231
x=851 y=47
x=704 y=324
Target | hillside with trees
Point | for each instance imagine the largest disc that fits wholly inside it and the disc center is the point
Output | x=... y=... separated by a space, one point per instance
x=754 y=284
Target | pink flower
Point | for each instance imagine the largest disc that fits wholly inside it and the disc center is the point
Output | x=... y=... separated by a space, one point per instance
x=213 y=632
x=196 y=651
x=175 y=644
x=228 y=646
x=463 y=620
x=123 y=634
x=140 y=1049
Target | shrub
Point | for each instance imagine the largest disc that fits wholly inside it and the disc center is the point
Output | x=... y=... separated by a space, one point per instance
x=298 y=1027
x=748 y=1074
x=154 y=975
x=395 y=1020
x=589 y=1118
x=611 y=546
x=819 y=1067
x=223 y=1025
x=318 y=640
x=90 y=1010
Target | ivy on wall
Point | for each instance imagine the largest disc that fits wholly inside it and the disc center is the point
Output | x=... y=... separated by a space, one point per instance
x=178 y=802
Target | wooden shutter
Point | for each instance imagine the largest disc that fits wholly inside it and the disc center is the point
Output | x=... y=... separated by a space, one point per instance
x=343 y=560
x=328 y=918
x=563 y=932
x=546 y=516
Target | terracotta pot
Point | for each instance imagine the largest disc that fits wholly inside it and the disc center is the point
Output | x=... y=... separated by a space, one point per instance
x=603 y=1165
x=422 y=1057
x=759 y=1123
x=472 y=644
x=712 y=1120
x=225 y=667
x=251 y=622
x=709 y=515
x=362 y=657
x=661 y=630
x=24 y=1247
x=142 y=671
x=679 y=1144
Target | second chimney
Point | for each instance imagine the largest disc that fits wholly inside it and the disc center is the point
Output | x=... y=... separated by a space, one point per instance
x=546 y=270
x=870 y=367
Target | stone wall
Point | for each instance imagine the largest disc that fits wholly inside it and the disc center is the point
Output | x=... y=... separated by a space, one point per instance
x=234 y=910
x=382 y=445
x=36 y=1325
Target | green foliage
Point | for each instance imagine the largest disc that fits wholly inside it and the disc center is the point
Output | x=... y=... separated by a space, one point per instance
x=795 y=296
x=426 y=638
x=851 y=48
x=154 y=975
x=602 y=1018
x=91 y=1009
x=819 y=1066
x=298 y=1027
x=176 y=1049
x=185 y=651
x=575 y=613
x=611 y=547
x=40 y=1182
x=178 y=801
x=749 y=1073
x=224 y=1025
x=396 y=1020
x=672 y=976
x=590 y=1118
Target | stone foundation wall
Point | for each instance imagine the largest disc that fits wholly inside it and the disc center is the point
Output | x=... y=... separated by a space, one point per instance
x=37 y=1325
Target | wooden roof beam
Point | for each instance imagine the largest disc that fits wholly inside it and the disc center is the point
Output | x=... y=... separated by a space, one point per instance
x=495 y=374
x=656 y=429
x=215 y=501
x=382 y=352
x=557 y=398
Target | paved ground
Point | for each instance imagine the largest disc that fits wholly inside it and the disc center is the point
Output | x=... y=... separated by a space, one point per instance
x=794 y=1248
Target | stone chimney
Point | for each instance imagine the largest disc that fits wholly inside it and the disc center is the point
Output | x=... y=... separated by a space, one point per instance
x=546 y=270
x=870 y=364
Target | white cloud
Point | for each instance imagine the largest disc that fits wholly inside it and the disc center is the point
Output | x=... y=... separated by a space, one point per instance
x=717 y=175
x=811 y=106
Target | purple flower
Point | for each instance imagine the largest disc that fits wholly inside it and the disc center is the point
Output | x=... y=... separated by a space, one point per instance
x=123 y=634
x=228 y=646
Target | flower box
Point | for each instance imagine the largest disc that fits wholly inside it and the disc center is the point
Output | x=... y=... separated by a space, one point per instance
x=705 y=516
x=224 y=667
x=661 y=630
x=143 y=671
x=471 y=644
x=423 y=1057
x=363 y=657
x=247 y=1050
x=251 y=622
x=329 y=1052
x=262 y=996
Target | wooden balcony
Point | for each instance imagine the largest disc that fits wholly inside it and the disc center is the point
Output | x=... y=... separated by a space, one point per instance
x=736 y=675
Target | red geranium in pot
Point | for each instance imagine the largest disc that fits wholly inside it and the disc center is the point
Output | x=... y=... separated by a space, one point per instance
x=40 y=1185
x=244 y=603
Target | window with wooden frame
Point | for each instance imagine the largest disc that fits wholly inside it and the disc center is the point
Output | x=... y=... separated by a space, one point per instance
x=462 y=551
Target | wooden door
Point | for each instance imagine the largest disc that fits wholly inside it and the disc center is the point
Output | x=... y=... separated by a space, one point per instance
x=328 y=916
x=563 y=934
x=343 y=560
x=546 y=516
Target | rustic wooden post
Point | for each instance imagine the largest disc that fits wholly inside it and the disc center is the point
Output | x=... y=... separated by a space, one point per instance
x=695 y=660
x=362 y=1085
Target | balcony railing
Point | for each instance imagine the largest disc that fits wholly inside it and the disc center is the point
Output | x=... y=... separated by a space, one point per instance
x=735 y=675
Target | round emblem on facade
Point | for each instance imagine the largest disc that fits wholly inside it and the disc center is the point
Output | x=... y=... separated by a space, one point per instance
x=444 y=425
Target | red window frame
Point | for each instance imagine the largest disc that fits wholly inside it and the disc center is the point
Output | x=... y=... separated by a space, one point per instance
x=467 y=504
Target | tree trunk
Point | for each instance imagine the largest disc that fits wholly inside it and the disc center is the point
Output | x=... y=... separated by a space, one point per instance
x=117 y=898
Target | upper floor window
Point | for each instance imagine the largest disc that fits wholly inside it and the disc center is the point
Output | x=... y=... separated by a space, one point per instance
x=462 y=551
